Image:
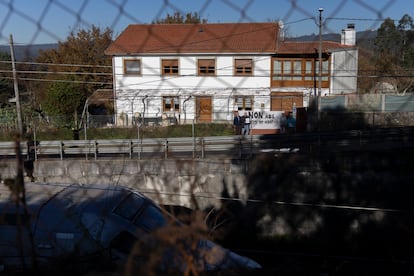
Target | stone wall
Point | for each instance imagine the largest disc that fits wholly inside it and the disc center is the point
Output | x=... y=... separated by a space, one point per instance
x=178 y=182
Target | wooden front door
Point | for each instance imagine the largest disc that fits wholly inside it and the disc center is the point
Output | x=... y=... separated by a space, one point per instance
x=204 y=109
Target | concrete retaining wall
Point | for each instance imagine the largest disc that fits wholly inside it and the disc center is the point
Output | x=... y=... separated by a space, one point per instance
x=180 y=182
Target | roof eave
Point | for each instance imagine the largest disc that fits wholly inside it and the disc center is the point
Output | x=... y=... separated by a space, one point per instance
x=191 y=53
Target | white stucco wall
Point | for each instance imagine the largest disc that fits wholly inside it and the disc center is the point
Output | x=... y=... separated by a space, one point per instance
x=344 y=72
x=151 y=77
x=142 y=95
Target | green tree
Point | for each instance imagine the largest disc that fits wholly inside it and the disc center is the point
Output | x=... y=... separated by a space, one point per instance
x=394 y=49
x=366 y=69
x=178 y=18
x=64 y=98
x=80 y=66
x=6 y=79
x=406 y=29
x=388 y=45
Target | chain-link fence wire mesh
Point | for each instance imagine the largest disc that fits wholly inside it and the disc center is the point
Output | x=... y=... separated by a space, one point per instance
x=14 y=13
x=366 y=214
x=374 y=14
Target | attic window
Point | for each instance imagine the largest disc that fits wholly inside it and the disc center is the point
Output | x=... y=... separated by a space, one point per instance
x=132 y=67
x=206 y=67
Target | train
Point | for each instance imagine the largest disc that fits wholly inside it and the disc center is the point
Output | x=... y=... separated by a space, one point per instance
x=46 y=225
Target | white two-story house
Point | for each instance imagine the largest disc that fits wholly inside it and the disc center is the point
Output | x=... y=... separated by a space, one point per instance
x=204 y=72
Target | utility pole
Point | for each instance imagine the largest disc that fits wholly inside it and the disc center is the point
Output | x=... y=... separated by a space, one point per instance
x=16 y=89
x=320 y=65
x=320 y=53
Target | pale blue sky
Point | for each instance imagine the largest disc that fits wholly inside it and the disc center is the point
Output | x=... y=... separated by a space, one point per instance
x=48 y=21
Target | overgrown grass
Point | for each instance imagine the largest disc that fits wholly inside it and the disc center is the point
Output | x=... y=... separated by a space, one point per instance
x=200 y=130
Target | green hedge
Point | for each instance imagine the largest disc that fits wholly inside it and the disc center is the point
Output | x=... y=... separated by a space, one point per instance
x=200 y=130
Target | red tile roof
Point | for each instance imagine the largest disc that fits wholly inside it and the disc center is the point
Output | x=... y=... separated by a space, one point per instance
x=309 y=47
x=196 y=38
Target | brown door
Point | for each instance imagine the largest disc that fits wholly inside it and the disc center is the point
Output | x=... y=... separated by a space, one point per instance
x=283 y=101
x=203 y=109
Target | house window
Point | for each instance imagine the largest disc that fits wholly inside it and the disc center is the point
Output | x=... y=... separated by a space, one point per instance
x=170 y=67
x=297 y=70
x=287 y=70
x=308 y=70
x=171 y=103
x=206 y=67
x=277 y=70
x=243 y=67
x=132 y=67
x=244 y=102
x=292 y=71
x=325 y=69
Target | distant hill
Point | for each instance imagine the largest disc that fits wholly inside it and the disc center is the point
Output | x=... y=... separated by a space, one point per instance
x=364 y=39
x=27 y=52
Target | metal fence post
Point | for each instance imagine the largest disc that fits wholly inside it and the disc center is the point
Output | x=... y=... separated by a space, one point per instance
x=96 y=149
x=166 y=148
x=61 y=150
x=131 y=149
x=202 y=147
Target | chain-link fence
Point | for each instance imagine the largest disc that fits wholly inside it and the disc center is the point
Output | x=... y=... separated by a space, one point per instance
x=130 y=101
x=295 y=14
x=338 y=208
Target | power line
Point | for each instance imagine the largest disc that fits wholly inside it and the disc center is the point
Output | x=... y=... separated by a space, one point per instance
x=358 y=19
x=58 y=64
x=63 y=81
x=287 y=203
x=59 y=73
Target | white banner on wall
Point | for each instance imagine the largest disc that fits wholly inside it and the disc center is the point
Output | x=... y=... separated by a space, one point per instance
x=265 y=119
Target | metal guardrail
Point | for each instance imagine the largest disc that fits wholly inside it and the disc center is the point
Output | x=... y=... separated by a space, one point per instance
x=203 y=147
x=8 y=148
x=132 y=148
